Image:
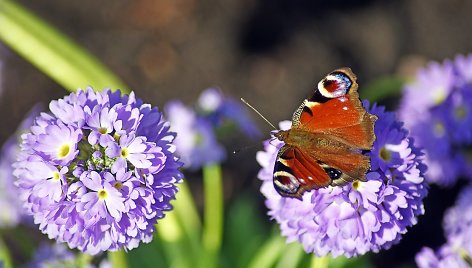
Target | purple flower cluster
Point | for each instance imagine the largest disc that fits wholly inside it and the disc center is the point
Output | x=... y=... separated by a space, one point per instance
x=437 y=108
x=98 y=171
x=197 y=143
x=457 y=251
x=361 y=216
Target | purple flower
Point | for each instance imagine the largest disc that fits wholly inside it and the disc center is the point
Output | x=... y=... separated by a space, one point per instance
x=361 y=216
x=437 y=108
x=218 y=110
x=457 y=251
x=58 y=255
x=11 y=208
x=98 y=171
x=196 y=142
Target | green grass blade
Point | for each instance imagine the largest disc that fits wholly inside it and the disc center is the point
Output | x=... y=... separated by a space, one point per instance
x=52 y=52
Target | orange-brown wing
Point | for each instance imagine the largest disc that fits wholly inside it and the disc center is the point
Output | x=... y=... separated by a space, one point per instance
x=352 y=165
x=296 y=172
x=335 y=110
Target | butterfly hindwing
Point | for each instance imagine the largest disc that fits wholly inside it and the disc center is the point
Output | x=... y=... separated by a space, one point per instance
x=296 y=172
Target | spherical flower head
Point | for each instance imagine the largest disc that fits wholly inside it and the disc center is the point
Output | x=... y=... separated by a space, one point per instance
x=457 y=223
x=196 y=142
x=361 y=216
x=437 y=108
x=98 y=171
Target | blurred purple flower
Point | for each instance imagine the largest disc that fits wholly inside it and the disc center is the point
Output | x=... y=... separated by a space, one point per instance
x=361 y=216
x=98 y=171
x=196 y=142
x=11 y=208
x=457 y=223
x=437 y=108
x=55 y=255
x=58 y=255
x=218 y=110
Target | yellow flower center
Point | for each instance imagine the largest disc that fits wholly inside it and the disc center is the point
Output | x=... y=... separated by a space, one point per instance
x=124 y=152
x=439 y=129
x=102 y=130
x=56 y=176
x=63 y=151
x=102 y=194
x=356 y=184
x=198 y=139
x=385 y=154
x=440 y=96
x=460 y=112
x=118 y=185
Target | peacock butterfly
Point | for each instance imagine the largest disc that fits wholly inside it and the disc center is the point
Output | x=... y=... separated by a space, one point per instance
x=329 y=132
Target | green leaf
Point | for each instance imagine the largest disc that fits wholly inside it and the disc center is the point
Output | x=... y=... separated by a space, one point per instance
x=245 y=231
x=291 y=256
x=386 y=87
x=269 y=252
x=52 y=52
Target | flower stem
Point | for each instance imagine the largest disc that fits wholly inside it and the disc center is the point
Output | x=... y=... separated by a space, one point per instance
x=83 y=260
x=5 y=255
x=52 y=52
x=118 y=259
x=319 y=262
x=213 y=213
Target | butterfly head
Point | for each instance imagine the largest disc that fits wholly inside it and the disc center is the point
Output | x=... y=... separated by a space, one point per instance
x=281 y=135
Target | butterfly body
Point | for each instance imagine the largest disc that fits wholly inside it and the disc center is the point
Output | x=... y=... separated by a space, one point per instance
x=324 y=146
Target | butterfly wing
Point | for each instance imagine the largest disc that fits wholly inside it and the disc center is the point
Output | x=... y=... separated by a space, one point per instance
x=335 y=110
x=296 y=172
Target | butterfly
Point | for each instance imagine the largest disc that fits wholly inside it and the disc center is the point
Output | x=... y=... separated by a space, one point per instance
x=325 y=143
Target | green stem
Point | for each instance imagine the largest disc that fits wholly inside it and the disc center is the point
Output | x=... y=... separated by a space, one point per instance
x=83 y=260
x=5 y=256
x=118 y=259
x=52 y=52
x=319 y=262
x=213 y=213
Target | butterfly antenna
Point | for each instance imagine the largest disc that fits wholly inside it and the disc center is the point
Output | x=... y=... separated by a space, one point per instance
x=257 y=112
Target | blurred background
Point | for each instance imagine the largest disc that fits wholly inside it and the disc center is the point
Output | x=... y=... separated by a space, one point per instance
x=270 y=52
